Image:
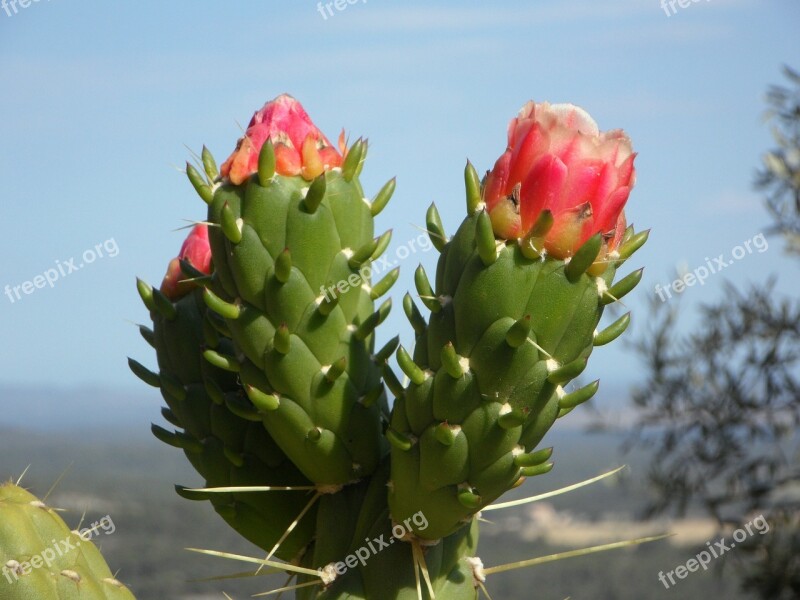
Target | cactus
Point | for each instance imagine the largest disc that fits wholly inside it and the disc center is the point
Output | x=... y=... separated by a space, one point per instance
x=264 y=329
x=292 y=242
x=225 y=442
x=519 y=292
x=42 y=558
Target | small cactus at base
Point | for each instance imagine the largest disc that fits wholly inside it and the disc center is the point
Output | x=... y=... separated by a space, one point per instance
x=42 y=559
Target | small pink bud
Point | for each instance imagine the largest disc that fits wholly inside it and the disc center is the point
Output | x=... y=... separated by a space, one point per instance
x=196 y=251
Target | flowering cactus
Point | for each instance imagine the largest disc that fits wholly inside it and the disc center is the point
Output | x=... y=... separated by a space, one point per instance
x=489 y=369
x=267 y=361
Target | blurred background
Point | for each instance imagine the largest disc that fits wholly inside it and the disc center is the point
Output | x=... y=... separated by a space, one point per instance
x=103 y=103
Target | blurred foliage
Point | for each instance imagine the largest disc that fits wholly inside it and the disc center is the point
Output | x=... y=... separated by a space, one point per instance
x=719 y=404
x=720 y=407
x=779 y=178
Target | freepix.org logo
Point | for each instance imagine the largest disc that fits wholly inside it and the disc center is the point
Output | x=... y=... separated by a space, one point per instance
x=108 y=248
x=14 y=569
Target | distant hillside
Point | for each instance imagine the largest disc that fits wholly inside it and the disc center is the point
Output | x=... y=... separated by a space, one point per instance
x=130 y=477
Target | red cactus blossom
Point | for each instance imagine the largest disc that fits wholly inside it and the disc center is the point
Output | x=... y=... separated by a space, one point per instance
x=195 y=250
x=300 y=147
x=558 y=160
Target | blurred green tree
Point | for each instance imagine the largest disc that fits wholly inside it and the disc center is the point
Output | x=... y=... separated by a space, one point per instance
x=720 y=407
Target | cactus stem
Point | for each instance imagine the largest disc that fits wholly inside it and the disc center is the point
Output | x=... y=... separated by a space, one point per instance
x=266 y=163
x=409 y=367
x=282 y=340
x=326 y=303
x=315 y=194
x=435 y=228
x=534 y=458
x=283 y=266
x=219 y=306
x=383 y=243
x=583 y=258
x=371 y=322
x=579 y=396
x=473 y=185
x=518 y=332
x=382 y=355
x=357 y=258
x=414 y=316
x=446 y=434
x=261 y=400
x=148 y=335
x=209 y=164
x=398 y=440
x=452 y=362
x=618 y=291
x=353 y=160
x=173 y=387
x=383 y=197
x=613 y=331
x=484 y=239
x=467 y=497
x=370 y=397
x=384 y=285
x=201 y=187
x=222 y=361
x=562 y=374
x=334 y=371
x=214 y=391
x=536 y=470
x=146 y=293
x=632 y=244
x=510 y=417
x=144 y=373
x=425 y=290
x=170 y=417
x=231 y=225
x=392 y=382
x=177 y=439
x=164 y=305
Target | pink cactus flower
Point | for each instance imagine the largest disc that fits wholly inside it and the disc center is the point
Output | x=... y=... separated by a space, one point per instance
x=195 y=250
x=558 y=160
x=300 y=148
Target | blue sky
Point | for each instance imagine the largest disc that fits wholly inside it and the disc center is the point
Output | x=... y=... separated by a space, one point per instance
x=100 y=98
